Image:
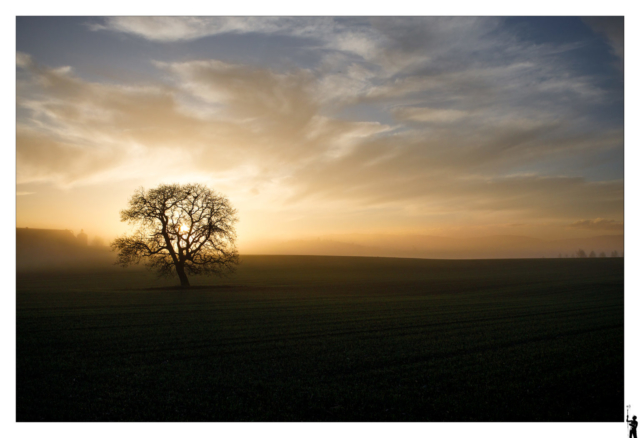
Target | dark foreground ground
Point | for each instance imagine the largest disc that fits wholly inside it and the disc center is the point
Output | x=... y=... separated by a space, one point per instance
x=327 y=339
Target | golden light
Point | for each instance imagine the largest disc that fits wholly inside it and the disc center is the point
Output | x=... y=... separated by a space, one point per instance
x=184 y=228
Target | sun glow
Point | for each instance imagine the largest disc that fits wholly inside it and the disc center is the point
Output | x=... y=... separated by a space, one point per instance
x=184 y=228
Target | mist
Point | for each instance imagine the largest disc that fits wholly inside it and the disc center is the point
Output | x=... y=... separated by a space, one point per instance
x=60 y=250
x=437 y=247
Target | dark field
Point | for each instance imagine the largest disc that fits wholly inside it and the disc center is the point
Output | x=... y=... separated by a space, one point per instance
x=327 y=339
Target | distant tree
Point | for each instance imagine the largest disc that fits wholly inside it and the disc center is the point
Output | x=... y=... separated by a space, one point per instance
x=82 y=238
x=581 y=254
x=559 y=256
x=614 y=253
x=592 y=254
x=186 y=229
x=602 y=254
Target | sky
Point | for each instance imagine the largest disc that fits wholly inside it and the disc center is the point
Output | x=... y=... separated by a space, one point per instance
x=327 y=126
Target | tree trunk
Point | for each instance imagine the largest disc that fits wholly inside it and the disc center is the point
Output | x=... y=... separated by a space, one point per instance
x=184 y=280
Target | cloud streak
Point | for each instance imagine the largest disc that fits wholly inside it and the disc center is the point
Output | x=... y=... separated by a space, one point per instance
x=598 y=225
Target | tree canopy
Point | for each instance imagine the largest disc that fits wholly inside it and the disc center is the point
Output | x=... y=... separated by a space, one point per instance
x=186 y=229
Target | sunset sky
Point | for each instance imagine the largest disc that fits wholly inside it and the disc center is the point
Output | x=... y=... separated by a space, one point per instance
x=320 y=126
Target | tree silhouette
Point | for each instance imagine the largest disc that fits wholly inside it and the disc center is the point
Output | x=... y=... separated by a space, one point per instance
x=592 y=254
x=187 y=229
x=602 y=254
x=614 y=253
x=581 y=254
x=82 y=238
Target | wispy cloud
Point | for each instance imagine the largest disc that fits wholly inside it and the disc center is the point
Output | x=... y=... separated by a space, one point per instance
x=190 y=28
x=434 y=115
x=598 y=225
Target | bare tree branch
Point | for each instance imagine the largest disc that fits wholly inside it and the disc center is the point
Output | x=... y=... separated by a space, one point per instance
x=186 y=229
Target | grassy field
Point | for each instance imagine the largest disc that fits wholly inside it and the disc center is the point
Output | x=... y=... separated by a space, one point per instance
x=327 y=339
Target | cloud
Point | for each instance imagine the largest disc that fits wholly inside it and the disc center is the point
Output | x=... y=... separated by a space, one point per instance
x=426 y=115
x=427 y=180
x=214 y=116
x=357 y=39
x=40 y=158
x=85 y=131
x=184 y=28
x=429 y=61
x=393 y=42
x=23 y=60
x=598 y=225
x=613 y=30
x=272 y=127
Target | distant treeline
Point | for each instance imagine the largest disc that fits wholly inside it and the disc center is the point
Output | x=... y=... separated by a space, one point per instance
x=42 y=249
x=582 y=254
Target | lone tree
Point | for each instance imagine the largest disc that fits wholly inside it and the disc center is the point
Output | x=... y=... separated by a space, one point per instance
x=188 y=229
